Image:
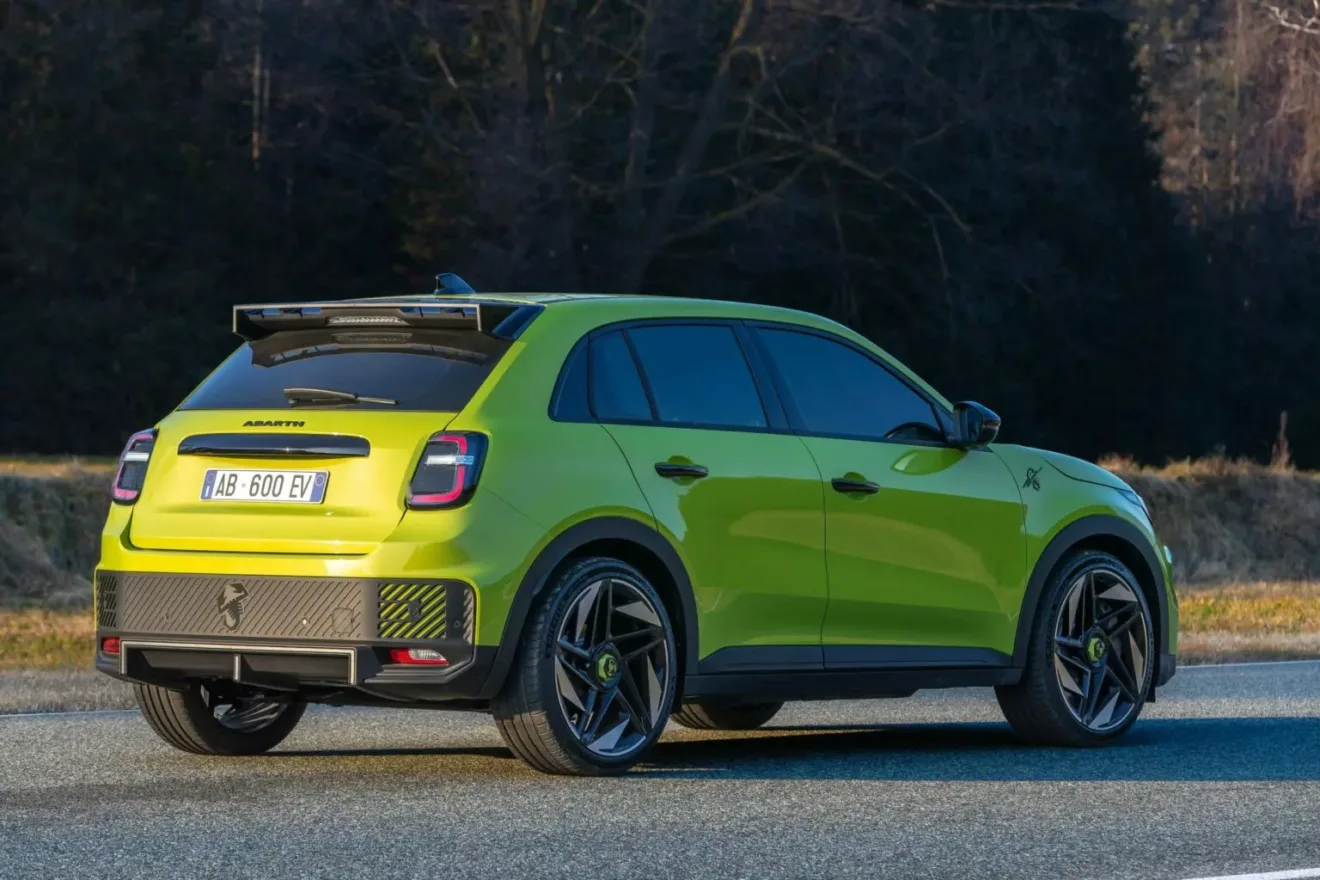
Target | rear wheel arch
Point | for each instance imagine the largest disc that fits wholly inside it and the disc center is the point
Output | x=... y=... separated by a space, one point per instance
x=627 y=540
x=1111 y=535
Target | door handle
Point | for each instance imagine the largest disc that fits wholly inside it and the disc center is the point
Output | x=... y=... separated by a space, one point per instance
x=672 y=470
x=854 y=487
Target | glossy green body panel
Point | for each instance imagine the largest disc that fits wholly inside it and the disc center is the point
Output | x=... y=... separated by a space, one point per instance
x=1059 y=490
x=942 y=555
x=752 y=533
x=936 y=557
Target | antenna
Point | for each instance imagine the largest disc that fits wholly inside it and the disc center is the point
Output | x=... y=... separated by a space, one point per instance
x=449 y=283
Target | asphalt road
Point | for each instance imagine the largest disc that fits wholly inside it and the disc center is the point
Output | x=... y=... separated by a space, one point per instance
x=1222 y=776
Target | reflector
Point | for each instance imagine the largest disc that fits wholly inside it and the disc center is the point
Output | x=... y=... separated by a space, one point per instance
x=418 y=657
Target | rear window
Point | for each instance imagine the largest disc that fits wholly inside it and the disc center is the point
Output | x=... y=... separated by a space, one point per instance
x=435 y=370
x=617 y=394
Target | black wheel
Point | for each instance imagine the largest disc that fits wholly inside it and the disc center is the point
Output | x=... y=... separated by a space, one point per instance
x=1089 y=663
x=725 y=714
x=595 y=676
x=217 y=720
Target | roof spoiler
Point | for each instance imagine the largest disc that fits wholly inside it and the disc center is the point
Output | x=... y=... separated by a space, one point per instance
x=257 y=321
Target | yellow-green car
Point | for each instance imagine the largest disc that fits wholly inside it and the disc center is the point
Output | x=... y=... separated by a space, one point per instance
x=584 y=513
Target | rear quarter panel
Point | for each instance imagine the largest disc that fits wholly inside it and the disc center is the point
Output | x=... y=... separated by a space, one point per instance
x=555 y=474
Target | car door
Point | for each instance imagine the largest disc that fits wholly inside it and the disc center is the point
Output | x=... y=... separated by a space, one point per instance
x=737 y=493
x=924 y=542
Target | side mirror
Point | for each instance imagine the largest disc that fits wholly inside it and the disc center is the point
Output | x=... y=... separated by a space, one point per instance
x=973 y=425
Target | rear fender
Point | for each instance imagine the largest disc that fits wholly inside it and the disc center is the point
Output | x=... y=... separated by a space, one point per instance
x=539 y=575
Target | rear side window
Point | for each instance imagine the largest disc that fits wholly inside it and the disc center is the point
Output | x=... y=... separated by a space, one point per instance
x=698 y=375
x=431 y=370
x=571 y=402
x=839 y=391
x=617 y=394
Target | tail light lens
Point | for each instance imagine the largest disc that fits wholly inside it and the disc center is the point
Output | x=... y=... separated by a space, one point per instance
x=447 y=474
x=418 y=657
x=133 y=463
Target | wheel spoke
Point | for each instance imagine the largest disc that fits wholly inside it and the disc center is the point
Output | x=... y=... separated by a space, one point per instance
x=1067 y=642
x=1091 y=602
x=601 y=712
x=609 y=610
x=653 y=631
x=649 y=646
x=632 y=702
x=570 y=672
x=1095 y=681
x=599 y=621
x=586 y=604
x=584 y=717
x=1130 y=693
x=573 y=649
x=1130 y=682
x=1126 y=625
x=1073 y=661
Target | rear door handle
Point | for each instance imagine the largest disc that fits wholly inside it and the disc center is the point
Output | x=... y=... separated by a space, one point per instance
x=854 y=487
x=670 y=469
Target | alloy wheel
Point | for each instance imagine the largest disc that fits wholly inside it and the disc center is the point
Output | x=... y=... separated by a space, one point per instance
x=613 y=668
x=1102 y=649
x=241 y=714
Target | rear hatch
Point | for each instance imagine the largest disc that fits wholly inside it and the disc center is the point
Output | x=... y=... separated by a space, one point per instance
x=244 y=466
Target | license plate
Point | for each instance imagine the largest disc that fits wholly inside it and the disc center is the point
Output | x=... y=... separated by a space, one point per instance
x=298 y=487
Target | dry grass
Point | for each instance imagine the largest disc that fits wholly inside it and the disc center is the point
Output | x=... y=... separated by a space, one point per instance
x=55 y=466
x=1231 y=520
x=40 y=639
x=51 y=512
x=1257 y=621
x=1280 y=608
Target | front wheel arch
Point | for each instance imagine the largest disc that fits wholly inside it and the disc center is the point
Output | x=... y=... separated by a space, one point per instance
x=628 y=540
x=1112 y=535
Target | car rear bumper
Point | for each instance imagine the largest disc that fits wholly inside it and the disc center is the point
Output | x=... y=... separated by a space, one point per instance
x=325 y=639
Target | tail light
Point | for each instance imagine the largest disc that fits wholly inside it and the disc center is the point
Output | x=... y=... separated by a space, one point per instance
x=418 y=657
x=133 y=463
x=110 y=646
x=447 y=474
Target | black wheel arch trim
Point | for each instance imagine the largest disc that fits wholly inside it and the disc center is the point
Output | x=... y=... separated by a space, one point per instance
x=564 y=545
x=1098 y=525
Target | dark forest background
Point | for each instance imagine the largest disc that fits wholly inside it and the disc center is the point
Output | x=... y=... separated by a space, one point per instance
x=1101 y=219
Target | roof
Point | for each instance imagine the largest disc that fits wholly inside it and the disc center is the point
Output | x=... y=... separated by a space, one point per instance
x=657 y=305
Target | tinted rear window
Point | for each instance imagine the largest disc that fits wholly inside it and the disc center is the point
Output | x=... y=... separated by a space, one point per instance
x=436 y=370
x=699 y=376
x=617 y=394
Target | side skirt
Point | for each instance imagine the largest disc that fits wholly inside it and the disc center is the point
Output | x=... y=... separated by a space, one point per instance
x=845 y=672
x=843 y=685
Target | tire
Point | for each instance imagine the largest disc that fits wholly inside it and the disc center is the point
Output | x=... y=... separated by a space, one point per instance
x=188 y=721
x=1089 y=662
x=566 y=708
x=725 y=715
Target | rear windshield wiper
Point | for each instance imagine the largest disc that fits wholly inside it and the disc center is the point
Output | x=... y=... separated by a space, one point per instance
x=314 y=396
